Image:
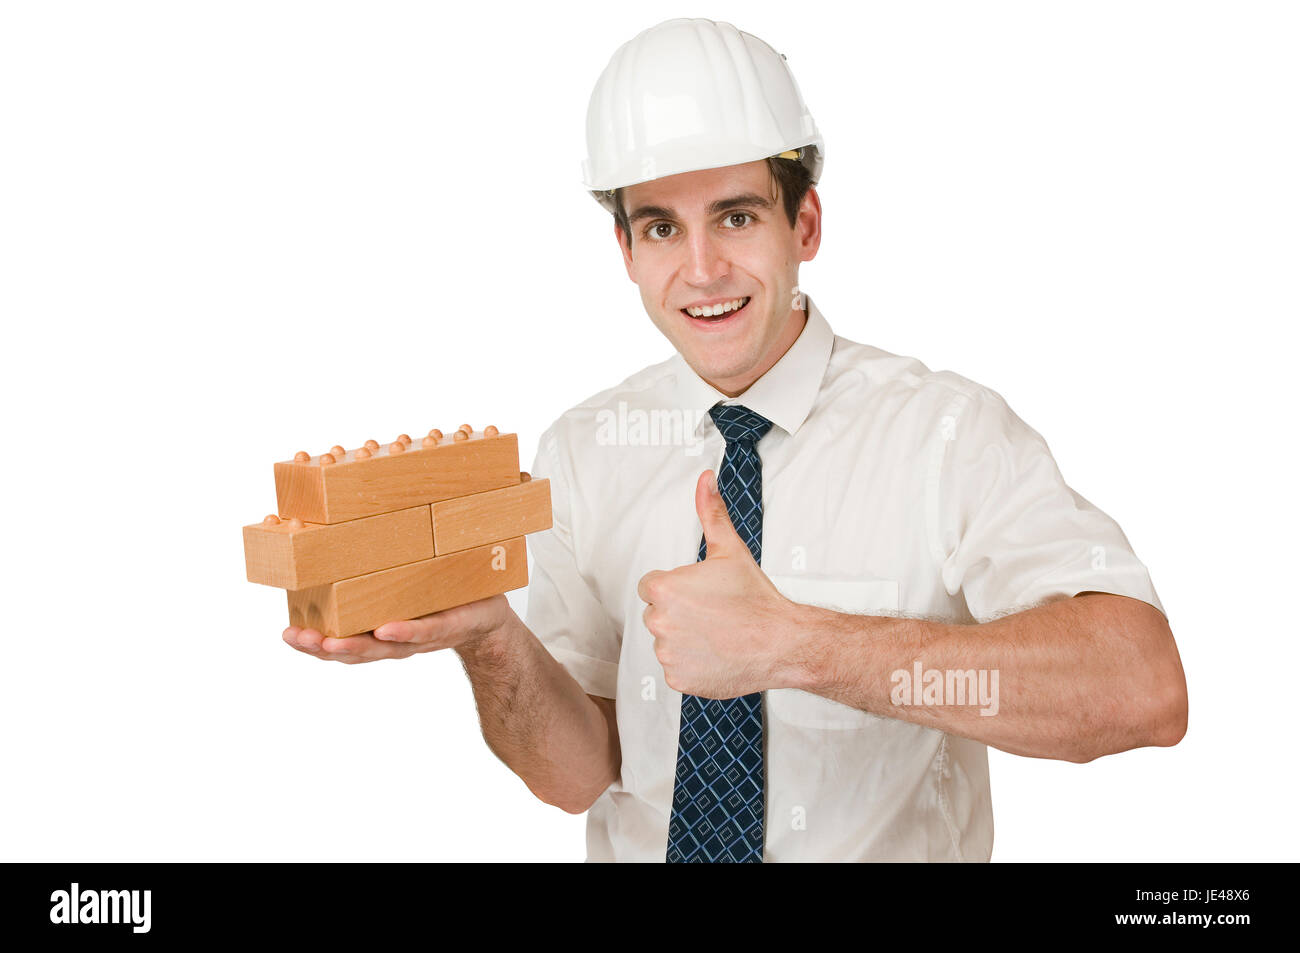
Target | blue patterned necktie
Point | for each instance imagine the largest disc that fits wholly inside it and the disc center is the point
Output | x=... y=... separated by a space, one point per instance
x=717 y=811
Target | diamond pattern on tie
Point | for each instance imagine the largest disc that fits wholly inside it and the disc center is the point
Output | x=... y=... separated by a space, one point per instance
x=717 y=813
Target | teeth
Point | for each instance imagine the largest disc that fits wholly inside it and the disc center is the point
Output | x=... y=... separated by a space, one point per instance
x=711 y=311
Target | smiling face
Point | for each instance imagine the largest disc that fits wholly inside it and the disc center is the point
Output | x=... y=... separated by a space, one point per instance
x=704 y=242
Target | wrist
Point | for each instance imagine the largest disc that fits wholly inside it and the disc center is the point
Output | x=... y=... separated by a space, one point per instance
x=491 y=636
x=805 y=664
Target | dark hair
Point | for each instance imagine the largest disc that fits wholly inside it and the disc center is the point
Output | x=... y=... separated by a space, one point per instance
x=791 y=176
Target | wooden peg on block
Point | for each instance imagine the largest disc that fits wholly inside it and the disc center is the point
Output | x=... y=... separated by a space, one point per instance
x=394 y=479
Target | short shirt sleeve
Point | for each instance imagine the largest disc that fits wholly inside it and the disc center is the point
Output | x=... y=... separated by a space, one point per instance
x=563 y=609
x=1011 y=532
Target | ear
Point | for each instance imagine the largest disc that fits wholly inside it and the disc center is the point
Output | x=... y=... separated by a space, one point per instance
x=808 y=225
x=625 y=249
x=720 y=537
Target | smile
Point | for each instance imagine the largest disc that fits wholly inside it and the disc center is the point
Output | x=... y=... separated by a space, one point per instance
x=717 y=313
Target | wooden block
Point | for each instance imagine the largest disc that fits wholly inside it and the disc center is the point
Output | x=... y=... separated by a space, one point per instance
x=469 y=521
x=312 y=554
x=363 y=603
x=387 y=480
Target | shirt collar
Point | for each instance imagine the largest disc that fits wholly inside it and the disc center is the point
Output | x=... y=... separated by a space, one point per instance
x=785 y=394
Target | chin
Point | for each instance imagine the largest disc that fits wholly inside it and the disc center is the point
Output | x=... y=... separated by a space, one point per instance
x=717 y=370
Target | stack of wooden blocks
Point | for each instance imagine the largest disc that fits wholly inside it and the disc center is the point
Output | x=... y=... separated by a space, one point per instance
x=381 y=534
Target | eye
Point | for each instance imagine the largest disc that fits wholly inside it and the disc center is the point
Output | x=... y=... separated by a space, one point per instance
x=735 y=215
x=654 y=233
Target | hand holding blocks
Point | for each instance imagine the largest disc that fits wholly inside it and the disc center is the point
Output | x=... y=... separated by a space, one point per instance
x=386 y=533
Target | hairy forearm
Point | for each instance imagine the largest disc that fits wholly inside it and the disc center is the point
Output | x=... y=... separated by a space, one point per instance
x=1075 y=679
x=538 y=720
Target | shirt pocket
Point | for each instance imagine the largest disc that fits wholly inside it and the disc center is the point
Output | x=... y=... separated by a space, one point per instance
x=855 y=596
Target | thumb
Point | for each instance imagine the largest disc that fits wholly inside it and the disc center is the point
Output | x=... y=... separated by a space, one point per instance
x=720 y=536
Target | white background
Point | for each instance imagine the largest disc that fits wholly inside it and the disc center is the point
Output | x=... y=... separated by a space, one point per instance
x=233 y=230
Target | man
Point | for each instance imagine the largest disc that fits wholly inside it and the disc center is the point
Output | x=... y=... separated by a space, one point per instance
x=883 y=571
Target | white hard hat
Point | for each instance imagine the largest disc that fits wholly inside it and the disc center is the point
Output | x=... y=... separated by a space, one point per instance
x=693 y=94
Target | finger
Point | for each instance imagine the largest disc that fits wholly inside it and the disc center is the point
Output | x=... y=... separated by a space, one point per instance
x=362 y=648
x=720 y=536
x=426 y=629
x=304 y=640
x=646 y=588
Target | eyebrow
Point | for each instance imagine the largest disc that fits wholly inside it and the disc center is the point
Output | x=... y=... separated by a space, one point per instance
x=746 y=200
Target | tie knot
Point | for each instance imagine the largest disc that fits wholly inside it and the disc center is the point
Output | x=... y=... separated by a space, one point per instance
x=739 y=424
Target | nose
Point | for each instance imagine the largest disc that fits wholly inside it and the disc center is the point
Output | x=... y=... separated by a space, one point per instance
x=705 y=258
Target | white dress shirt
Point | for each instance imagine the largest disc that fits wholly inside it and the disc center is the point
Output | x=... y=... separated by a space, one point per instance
x=888 y=489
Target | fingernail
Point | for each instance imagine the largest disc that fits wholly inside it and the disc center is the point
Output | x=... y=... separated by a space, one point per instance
x=382 y=633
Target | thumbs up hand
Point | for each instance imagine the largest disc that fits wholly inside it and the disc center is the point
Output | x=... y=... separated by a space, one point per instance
x=720 y=626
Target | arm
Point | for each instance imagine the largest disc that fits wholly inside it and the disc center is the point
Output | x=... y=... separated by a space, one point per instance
x=1077 y=678
x=562 y=742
